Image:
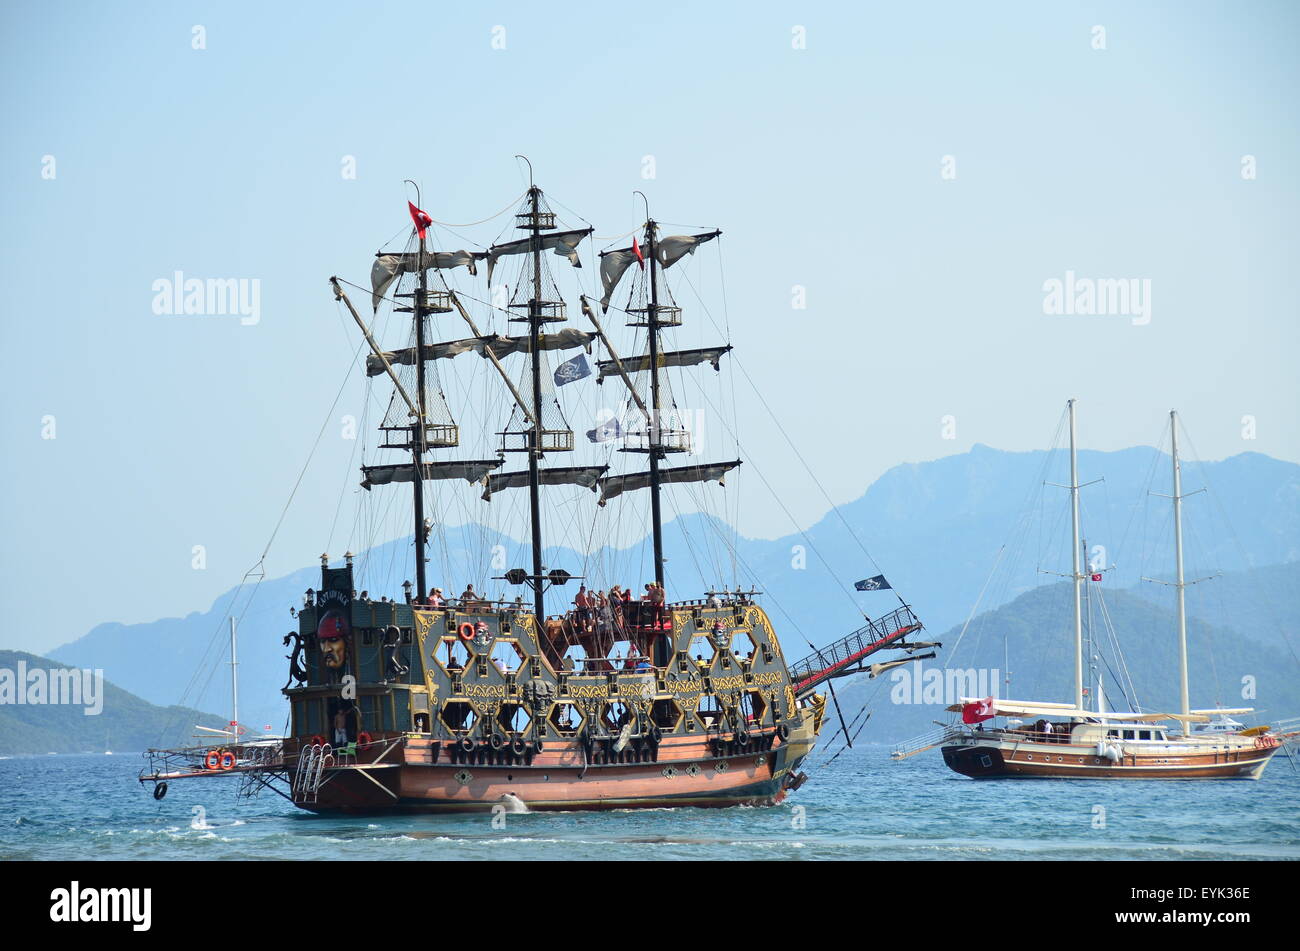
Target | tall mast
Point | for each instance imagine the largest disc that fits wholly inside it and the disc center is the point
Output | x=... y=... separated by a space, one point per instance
x=1078 y=568
x=654 y=444
x=535 y=446
x=234 y=687
x=419 y=433
x=1179 y=584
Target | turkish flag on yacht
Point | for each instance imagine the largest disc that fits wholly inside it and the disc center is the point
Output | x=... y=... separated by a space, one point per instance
x=978 y=711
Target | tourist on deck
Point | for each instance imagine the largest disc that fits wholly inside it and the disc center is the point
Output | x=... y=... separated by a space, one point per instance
x=468 y=597
x=340 y=727
x=435 y=597
x=582 y=602
x=657 y=598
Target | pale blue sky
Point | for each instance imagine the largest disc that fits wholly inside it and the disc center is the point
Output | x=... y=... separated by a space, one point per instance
x=821 y=165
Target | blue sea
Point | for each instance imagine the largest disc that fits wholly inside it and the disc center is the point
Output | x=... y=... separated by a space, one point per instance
x=861 y=806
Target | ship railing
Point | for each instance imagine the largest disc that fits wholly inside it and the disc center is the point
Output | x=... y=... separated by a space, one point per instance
x=852 y=649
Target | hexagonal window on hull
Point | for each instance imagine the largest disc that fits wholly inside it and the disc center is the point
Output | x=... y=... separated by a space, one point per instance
x=617 y=715
x=507 y=655
x=514 y=718
x=709 y=712
x=565 y=719
x=458 y=716
x=752 y=707
x=666 y=714
x=701 y=651
x=452 y=654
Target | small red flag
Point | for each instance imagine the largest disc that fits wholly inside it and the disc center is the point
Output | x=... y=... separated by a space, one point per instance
x=636 y=249
x=422 y=221
x=977 y=712
x=1097 y=576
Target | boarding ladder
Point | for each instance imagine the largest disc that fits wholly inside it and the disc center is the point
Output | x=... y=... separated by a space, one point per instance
x=848 y=654
x=311 y=769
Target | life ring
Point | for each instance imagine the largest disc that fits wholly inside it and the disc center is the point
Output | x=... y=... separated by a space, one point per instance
x=212 y=760
x=783 y=732
x=466 y=631
x=496 y=741
x=742 y=736
x=227 y=759
x=364 y=738
x=466 y=744
x=538 y=745
x=518 y=746
x=318 y=740
x=159 y=790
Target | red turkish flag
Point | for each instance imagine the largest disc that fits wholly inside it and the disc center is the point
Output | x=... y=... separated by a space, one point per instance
x=422 y=221
x=636 y=249
x=977 y=712
x=1097 y=576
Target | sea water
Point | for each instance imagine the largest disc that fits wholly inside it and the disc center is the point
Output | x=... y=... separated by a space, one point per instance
x=861 y=806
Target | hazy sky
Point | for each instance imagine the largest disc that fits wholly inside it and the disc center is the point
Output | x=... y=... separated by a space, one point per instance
x=920 y=171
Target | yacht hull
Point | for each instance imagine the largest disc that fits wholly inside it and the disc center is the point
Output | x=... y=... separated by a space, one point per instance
x=1068 y=761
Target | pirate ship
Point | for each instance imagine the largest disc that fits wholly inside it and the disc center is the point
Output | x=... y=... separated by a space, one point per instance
x=431 y=702
x=1055 y=740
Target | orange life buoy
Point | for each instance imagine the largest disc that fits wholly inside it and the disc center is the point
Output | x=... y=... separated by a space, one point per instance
x=227 y=759
x=467 y=631
x=364 y=739
x=318 y=740
x=212 y=760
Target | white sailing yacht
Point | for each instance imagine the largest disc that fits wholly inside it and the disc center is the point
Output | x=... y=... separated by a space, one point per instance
x=1035 y=740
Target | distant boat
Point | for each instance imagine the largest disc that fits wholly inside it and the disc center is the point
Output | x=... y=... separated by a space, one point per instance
x=1065 y=740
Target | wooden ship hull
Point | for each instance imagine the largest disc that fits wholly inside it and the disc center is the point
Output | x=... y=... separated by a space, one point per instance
x=404 y=777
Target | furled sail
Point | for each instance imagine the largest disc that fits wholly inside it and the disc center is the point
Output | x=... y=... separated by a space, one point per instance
x=568 y=339
x=585 y=476
x=388 y=267
x=470 y=470
x=612 y=266
x=614 y=486
x=672 y=249
x=670 y=358
x=564 y=243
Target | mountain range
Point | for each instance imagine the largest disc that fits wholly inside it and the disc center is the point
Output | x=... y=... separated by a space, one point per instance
x=949 y=535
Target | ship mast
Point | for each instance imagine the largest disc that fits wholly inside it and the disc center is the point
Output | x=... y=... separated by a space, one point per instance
x=652 y=319
x=535 y=443
x=1078 y=571
x=419 y=434
x=1179 y=584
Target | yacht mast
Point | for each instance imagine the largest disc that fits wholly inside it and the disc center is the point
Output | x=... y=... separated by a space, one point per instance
x=1179 y=584
x=1078 y=572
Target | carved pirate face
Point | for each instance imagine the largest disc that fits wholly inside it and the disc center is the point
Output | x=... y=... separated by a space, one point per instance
x=332 y=635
